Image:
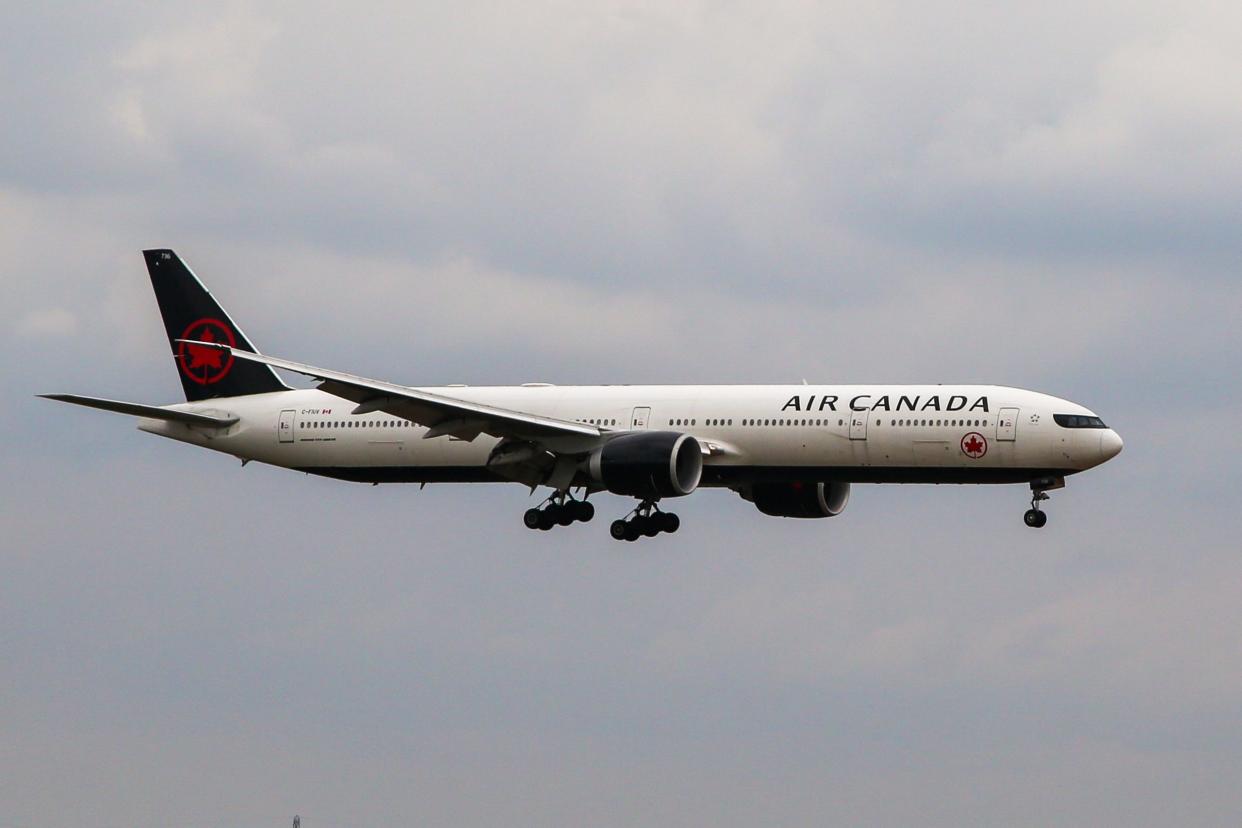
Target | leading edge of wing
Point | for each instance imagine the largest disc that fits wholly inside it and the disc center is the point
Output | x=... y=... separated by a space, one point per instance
x=450 y=415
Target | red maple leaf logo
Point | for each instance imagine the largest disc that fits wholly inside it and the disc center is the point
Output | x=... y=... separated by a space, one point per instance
x=973 y=445
x=201 y=364
x=204 y=358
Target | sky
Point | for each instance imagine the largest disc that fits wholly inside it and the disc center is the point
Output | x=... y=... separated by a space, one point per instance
x=481 y=193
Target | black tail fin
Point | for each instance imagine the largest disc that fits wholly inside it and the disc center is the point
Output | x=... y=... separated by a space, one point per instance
x=190 y=312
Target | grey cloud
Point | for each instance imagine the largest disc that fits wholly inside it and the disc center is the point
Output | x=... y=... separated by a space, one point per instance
x=621 y=193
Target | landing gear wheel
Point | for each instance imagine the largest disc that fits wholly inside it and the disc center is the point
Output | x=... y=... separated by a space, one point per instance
x=560 y=509
x=1035 y=516
x=645 y=521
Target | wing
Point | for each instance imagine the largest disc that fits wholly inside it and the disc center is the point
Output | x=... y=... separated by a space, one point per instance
x=439 y=413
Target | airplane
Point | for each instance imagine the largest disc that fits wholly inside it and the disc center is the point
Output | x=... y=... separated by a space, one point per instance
x=791 y=450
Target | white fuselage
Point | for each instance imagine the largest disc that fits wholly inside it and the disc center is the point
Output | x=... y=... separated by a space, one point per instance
x=858 y=433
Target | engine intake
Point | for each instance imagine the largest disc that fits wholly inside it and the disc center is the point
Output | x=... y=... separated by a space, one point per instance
x=799 y=500
x=649 y=464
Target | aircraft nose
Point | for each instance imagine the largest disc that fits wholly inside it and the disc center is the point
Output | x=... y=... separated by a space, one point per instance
x=1110 y=444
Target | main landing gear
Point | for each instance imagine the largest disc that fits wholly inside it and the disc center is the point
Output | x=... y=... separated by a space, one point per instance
x=558 y=510
x=645 y=521
x=1036 y=517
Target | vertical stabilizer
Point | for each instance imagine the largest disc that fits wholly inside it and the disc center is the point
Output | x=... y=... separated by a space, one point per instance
x=190 y=312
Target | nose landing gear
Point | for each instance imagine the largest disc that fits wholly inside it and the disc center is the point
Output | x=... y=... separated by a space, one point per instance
x=645 y=521
x=1036 y=517
x=558 y=510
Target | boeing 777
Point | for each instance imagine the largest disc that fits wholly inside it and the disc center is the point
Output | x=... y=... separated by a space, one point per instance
x=791 y=450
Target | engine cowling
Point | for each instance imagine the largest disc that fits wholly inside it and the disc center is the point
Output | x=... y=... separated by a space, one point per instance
x=799 y=500
x=649 y=464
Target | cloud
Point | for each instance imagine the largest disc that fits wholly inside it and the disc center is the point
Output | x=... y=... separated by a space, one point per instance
x=623 y=193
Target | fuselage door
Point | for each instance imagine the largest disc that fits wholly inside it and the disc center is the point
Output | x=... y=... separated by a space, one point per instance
x=285 y=428
x=858 y=424
x=642 y=416
x=1007 y=424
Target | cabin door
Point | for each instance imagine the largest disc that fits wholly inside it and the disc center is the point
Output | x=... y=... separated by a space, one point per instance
x=285 y=427
x=858 y=424
x=1007 y=424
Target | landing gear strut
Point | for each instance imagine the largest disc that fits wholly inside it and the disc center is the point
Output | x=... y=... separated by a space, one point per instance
x=646 y=520
x=1036 y=517
x=560 y=509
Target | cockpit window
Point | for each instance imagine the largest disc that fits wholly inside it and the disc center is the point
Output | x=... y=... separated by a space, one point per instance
x=1078 y=421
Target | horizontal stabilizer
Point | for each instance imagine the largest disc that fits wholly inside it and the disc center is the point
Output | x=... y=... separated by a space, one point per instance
x=153 y=412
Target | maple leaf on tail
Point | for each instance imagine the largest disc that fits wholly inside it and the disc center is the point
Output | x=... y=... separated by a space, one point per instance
x=201 y=357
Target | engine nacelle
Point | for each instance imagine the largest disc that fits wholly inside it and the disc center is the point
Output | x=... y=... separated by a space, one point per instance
x=649 y=464
x=799 y=500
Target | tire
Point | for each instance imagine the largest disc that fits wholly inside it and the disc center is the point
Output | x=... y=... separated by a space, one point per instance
x=547 y=519
x=1043 y=518
x=1034 y=518
x=651 y=526
x=619 y=529
x=565 y=515
x=631 y=532
x=670 y=522
x=532 y=518
x=584 y=511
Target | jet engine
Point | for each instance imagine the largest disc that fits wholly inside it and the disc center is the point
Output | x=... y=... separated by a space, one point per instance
x=799 y=500
x=649 y=464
